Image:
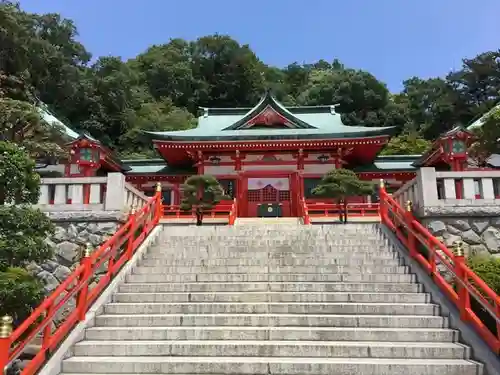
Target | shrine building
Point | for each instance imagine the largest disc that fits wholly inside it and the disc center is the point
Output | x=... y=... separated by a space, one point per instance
x=268 y=155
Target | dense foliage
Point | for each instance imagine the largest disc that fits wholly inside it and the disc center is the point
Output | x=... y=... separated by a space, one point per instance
x=488 y=139
x=341 y=184
x=20 y=293
x=18 y=181
x=23 y=232
x=163 y=87
x=201 y=193
x=488 y=269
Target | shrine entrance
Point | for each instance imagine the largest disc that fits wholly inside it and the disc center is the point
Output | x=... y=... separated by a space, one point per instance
x=268 y=197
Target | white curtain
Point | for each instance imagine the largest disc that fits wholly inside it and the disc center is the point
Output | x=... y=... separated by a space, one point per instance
x=260 y=183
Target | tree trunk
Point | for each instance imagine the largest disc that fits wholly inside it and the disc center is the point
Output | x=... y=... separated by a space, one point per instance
x=345 y=211
x=341 y=216
x=199 y=218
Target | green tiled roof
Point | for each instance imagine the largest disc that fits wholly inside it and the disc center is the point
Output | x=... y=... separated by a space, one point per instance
x=479 y=122
x=390 y=163
x=52 y=120
x=321 y=122
x=154 y=166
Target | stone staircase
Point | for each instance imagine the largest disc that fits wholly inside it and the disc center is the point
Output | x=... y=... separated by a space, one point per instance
x=271 y=299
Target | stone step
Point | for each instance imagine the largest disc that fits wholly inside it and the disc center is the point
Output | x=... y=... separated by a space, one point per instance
x=221 y=348
x=267 y=365
x=273 y=333
x=249 y=277
x=269 y=228
x=264 y=262
x=335 y=269
x=313 y=297
x=272 y=287
x=313 y=250
x=272 y=308
x=223 y=254
x=290 y=243
x=129 y=319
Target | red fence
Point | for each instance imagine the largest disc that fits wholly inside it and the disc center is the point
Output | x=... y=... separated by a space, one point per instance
x=110 y=256
x=333 y=209
x=478 y=304
x=221 y=210
x=233 y=214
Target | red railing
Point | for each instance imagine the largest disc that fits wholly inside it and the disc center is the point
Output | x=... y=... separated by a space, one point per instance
x=175 y=212
x=466 y=289
x=233 y=214
x=304 y=212
x=110 y=256
x=353 y=209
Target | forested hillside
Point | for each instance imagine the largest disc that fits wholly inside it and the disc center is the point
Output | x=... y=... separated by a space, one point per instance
x=161 y=89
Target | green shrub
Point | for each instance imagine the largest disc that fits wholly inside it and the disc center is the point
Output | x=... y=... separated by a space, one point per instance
x=488 y=269
x=20 y=293
x=23 y=233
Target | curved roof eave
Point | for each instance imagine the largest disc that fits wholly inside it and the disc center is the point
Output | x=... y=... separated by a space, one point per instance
x=201 y=138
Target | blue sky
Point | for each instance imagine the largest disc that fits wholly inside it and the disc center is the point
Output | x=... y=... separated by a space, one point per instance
x=392 y=39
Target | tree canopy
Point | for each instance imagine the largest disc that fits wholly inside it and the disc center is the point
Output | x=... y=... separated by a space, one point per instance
x=340 y=184
x=163 y=87
x=201 y=193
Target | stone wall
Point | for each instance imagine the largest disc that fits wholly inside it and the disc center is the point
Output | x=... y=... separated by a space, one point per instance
x=73 y=232
x=479 y=235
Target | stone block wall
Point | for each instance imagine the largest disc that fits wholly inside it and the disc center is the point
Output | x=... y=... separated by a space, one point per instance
x=73 y=232
x=479 y=235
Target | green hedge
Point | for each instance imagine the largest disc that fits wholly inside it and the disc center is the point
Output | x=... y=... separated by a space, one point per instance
x=20 y=293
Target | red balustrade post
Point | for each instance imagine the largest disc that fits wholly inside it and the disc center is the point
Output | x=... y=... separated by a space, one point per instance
x=5 y=341
x=159 y=203
x=81 y=302
x=132 y=229
x=382 y=202
x=462 y=292
x=412 y=241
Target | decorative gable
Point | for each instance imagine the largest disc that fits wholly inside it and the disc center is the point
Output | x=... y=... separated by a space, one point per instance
x=269 y=114
x=269 y=118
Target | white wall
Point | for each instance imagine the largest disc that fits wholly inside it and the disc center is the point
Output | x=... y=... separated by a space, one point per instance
x=215 y=170
x=258 y=157
x=318 y=168
x=269 y=167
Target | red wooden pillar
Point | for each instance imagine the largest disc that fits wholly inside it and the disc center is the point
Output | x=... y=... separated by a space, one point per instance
x=412 y=241
x=243 y=202
x=201 y=163
x=463 y=294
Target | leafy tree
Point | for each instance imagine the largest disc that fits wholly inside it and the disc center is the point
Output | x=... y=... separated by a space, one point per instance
x=362 y=99
x=18 y=181
x=153 y=116
x=21 y=123
x=20 y=293
x=488 y=139
x=408 y=143
x=477 y=83
x=201 y=193
x=433 y=106
x=233 y=76
x=341 y=184
x=488 y=269
x=23 y=231
x=168 y=73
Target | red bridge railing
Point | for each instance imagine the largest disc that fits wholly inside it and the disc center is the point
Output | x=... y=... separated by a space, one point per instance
x=478 y=304
x=110 y=256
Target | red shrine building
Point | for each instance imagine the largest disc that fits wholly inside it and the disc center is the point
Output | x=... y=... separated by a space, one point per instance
x=267 y=156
